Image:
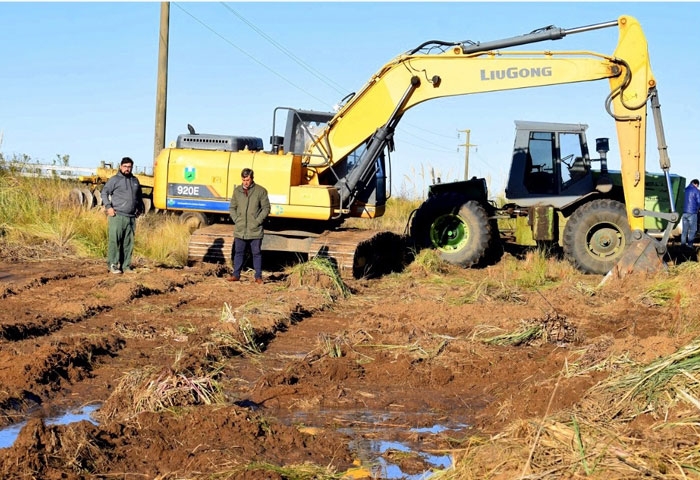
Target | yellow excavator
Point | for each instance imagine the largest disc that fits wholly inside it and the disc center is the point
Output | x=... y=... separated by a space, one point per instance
x=324 y=167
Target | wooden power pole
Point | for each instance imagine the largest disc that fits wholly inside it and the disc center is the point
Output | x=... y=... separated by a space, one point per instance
x=466 y=146
x=162 y=82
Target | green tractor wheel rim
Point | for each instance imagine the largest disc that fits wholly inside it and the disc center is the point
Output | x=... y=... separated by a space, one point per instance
x=449 y=233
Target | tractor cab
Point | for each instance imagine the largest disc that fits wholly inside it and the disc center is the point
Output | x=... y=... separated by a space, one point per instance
x=551 y=164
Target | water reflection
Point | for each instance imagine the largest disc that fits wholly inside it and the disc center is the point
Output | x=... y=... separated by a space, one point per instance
x=384 y=442
x=8 y=435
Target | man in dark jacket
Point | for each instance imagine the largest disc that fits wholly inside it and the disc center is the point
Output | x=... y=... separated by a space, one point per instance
x=123 y=203
x=690 y=213
x=249 y=207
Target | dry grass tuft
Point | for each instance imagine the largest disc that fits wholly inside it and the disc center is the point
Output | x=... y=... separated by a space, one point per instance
x=148 y=390
x=241 y=335
x=594 y=439
x=552 y=328
x=656 y=387
x=428 y=262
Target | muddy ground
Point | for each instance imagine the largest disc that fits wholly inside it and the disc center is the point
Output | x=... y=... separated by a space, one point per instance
x=306 y=376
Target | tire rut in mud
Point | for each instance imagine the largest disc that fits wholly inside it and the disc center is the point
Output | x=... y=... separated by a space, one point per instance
x=44 y=306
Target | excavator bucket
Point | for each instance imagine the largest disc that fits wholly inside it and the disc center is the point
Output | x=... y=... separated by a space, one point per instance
x=641 y=256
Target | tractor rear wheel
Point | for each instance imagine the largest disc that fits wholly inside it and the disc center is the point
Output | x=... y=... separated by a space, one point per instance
x=596 y=235
x=458 y=229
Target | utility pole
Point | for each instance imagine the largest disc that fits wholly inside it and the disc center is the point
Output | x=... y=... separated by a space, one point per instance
x=466 y=146
x=162 y=82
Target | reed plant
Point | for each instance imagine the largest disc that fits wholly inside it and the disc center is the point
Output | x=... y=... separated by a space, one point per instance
x=245 y=340
x=538 y=269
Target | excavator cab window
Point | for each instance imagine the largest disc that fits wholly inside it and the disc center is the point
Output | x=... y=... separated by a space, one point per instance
x=540 y=164
x=302 y=128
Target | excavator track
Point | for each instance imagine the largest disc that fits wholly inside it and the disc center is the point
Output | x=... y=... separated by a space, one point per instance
x=211 y=244
x=361 y=253
x=356 y=253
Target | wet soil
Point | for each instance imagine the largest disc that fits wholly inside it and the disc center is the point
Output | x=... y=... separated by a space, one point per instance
x=196 y=376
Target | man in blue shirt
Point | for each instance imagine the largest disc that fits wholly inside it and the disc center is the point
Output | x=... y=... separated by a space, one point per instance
x=690 y=213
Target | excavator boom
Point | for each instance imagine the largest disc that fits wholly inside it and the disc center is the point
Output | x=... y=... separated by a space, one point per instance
x=469 y=69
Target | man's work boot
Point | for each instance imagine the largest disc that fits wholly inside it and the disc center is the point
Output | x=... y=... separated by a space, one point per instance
x=259 y=281
x=233 y=278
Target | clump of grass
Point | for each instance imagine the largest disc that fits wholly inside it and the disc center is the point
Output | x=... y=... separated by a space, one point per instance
x=248 y=342
x=147 y=390
x=491 y=289
x=592 y=440
x=429 y=262
x=329 y=346
x=319 y=271
x=397 y=211
x=531 y=272
x=524 y=335
x=551 y=328
x=38 y=212
x=659 y=384
x=666 y=290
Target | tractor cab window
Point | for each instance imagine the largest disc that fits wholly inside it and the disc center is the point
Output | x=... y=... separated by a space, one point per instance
x=540 y=164
x=572 y=163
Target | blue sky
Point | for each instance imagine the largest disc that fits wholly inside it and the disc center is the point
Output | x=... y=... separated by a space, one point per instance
x=79 y=78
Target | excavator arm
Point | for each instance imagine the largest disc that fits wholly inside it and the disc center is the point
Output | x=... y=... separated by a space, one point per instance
x=371 y=115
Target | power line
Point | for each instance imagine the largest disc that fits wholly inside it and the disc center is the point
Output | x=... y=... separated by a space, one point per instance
x=426 y=148
x=297 y=60
x=328 y=81
x=249 y=55
x=338 y=88
x=442 y=135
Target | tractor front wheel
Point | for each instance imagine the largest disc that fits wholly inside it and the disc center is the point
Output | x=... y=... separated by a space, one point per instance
x=459 y=230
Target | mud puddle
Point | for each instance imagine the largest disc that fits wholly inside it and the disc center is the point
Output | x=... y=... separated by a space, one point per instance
x=9 y=434
x=387 y=444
